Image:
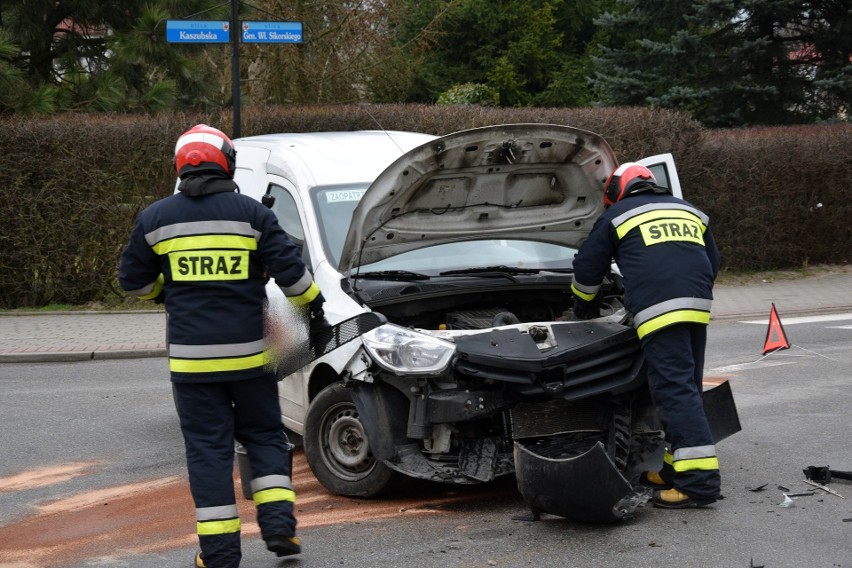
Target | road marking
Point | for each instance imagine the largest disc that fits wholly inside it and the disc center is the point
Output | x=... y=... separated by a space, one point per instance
x=804 y=319
x=752 y=365
x=840 y=327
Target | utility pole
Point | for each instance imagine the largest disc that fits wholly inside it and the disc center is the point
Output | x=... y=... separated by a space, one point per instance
x=235 y=65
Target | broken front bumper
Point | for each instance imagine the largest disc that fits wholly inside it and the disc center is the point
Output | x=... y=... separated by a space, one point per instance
x=585 y=488
x=588 y=487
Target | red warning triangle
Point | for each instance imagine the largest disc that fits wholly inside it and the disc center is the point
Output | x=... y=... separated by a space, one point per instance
x=775 y=337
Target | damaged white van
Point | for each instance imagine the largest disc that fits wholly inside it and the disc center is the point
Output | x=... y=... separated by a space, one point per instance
x=446 y=265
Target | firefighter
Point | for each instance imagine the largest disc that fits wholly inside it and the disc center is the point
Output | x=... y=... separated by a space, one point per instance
x=206 y=252
x=668 y=258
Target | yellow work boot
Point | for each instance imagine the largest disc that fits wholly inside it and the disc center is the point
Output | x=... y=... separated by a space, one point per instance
x=283 y=545
x=674 y=499
x=199 y=563
x=654 y=480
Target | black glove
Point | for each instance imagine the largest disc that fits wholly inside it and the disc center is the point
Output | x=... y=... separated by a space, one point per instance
x=316 y=321
x=585 y=309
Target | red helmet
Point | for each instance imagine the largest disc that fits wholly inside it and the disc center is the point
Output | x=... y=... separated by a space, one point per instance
x=204 y=149
x=625 y=176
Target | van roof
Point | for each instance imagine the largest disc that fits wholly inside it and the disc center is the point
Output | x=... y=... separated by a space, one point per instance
x=333 y=158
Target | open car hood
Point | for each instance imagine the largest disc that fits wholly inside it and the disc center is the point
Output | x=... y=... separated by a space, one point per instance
x=537 y=182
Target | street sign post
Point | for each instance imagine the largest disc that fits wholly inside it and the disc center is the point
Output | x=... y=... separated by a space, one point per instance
x=272 y=32
x=215 y=31
x=197 y=31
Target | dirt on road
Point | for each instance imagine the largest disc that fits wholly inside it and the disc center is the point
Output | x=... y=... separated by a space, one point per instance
x=158 y=514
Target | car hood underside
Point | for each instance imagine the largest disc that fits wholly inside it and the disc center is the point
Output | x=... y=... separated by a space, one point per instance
x=536 y=182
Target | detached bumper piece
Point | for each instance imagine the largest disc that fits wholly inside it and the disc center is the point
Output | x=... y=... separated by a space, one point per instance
x=586 y=487
x=721 y=412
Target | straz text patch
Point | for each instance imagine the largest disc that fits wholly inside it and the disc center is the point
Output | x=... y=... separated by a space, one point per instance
x=194 y=266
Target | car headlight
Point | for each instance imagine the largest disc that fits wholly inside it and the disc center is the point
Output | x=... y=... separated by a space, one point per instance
x=407 y=352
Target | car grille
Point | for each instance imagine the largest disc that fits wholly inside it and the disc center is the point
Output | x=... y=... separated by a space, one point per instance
x=588 y=358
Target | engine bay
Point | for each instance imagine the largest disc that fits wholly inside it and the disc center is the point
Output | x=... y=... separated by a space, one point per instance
x=481 y=307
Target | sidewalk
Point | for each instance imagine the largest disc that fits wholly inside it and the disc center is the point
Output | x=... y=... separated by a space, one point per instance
x=27 y=337
x=81 y=336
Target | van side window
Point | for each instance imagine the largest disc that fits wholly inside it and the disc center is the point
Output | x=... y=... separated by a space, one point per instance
x=288 y=214
x=661 y=173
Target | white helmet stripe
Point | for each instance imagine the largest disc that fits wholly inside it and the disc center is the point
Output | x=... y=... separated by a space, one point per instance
x=621 y=168
x=204 y=137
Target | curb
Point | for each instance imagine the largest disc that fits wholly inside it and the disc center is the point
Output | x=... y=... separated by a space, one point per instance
x=72 y=356
x=786 y=313
x=23 y=313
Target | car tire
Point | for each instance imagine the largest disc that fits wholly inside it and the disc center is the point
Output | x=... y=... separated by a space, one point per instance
x=337 y=448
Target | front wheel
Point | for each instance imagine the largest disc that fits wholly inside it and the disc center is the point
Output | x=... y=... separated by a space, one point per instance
x=337 y=448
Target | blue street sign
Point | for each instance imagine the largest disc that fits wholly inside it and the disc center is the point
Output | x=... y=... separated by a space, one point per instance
x=272 y=32
x=197 y=31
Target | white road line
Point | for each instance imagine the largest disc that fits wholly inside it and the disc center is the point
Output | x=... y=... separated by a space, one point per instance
x=840 y=327
x=804 y=319
x=752 y=365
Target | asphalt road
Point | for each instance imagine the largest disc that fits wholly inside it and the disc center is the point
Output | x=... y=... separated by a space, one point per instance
x=93 y=475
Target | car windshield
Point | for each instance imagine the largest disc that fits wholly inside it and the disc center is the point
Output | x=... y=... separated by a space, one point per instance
x=334 y=206
x=494 y=254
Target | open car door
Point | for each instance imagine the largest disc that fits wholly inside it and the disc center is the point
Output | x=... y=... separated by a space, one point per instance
x=663 y=168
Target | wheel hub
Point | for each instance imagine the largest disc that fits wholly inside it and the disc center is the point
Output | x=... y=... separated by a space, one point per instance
x=348 y=447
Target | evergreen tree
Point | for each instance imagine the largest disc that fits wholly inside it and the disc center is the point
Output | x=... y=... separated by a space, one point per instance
x=94 y=54
x=532 y=52
x=728 y=62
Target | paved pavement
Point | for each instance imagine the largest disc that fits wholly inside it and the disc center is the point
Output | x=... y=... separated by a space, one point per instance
x=79 y=336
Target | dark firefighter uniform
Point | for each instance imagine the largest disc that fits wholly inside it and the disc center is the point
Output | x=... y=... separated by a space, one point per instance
x=669 y=260
x=206 y=252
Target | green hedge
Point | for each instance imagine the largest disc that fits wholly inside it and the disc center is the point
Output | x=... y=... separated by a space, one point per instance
x=779 y=197
x=73 y=184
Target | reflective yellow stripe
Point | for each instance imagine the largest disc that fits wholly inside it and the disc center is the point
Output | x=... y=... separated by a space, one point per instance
x=274 y=494
x=214 y=365
x=679 y=316
x=631 y=223
x=156 y=289
x=307 y=296
x=583 y=295
x=704 y=464
x=202 y=242
x=218 y=527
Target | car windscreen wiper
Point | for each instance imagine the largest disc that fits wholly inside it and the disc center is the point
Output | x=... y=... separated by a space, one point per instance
x=492 y=270
x=393 y=275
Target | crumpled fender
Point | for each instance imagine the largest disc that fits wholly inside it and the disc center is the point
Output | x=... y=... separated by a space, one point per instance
x=587 y=488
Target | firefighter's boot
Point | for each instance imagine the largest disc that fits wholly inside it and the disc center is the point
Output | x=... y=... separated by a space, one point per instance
x=674 y=499
x=283 y=545
x=654 y=480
